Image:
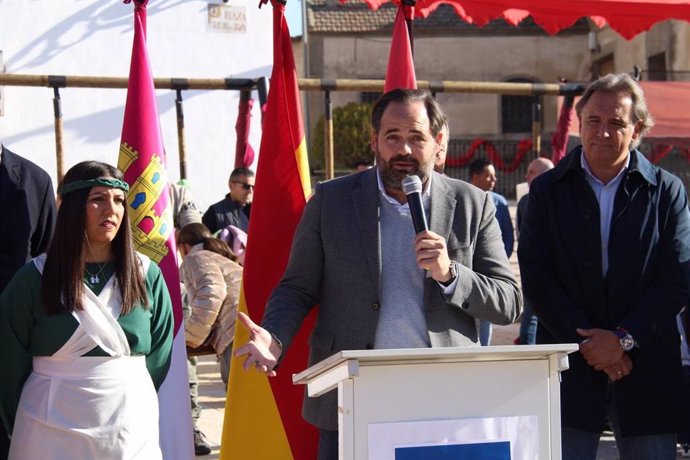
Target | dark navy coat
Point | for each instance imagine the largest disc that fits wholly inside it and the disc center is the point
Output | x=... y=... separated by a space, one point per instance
x=27 y=213
x=645 y=287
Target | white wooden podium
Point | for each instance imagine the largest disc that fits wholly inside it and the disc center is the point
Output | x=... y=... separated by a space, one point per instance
x=376 y=387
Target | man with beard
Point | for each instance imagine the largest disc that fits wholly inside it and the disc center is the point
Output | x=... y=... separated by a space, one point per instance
x=378 y=284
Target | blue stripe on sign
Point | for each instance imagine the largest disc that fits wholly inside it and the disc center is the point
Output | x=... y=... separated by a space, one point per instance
x=479 y=451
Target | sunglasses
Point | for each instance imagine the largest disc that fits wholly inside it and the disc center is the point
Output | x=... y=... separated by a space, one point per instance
x=245 y=185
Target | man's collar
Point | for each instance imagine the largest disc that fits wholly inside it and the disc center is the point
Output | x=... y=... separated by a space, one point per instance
x=588 y=170
x=640 y=164
x=637 y=164
x=426 y=192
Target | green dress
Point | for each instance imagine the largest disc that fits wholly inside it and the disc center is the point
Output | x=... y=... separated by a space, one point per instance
x=26 y=330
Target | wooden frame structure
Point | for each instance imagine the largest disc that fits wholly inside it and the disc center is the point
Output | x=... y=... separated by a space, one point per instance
x=537 y=90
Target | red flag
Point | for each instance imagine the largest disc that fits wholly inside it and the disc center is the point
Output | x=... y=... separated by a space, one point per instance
x=142 y=159
x=244 y=153
x=400 y=72
x=263 y=417
x=559 y=141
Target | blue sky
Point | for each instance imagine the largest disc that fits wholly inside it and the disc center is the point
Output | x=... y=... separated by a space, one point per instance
x=293 y=14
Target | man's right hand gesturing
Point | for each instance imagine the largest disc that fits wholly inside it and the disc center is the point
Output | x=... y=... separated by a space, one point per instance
x=262 y=350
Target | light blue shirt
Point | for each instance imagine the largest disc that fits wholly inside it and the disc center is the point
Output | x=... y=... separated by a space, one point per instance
x=606 y=195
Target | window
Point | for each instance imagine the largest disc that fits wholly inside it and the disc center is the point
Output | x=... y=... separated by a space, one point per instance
x=516 y=111
x=657 y=67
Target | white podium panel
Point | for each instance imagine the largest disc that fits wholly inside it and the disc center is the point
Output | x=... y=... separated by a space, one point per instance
x=495 y=388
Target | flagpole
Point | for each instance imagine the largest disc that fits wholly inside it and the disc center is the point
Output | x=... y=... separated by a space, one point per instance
x=328 y=135
x=537 y=120
x=59 y=148
x=181 y=146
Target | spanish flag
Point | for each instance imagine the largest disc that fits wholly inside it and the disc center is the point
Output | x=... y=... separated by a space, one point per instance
x=142 y=159
x=263 y=415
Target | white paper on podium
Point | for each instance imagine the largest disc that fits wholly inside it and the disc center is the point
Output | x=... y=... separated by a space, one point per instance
x=520 y=431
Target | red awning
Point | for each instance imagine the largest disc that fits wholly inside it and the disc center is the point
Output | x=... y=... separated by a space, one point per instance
x=668 y=103
x=627 y=17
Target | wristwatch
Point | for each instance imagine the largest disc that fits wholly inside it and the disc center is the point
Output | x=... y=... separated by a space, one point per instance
x=453 y=269
x=626 y=340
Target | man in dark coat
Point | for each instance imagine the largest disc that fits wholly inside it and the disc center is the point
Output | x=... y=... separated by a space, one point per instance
x=27 y=207
x=603 y=253
x=235 y=207
x=27 y=221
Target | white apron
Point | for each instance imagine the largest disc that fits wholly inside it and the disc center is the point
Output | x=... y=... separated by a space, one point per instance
x=83 y=407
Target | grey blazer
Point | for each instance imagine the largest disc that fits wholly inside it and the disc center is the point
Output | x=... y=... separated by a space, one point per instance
x=335 y=262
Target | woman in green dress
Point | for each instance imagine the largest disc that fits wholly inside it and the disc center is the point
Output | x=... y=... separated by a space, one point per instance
x=85 y=333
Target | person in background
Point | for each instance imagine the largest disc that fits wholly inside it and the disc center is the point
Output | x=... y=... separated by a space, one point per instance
x=184 y=213
x=483 y=176
x=529 y=321
x=183 y=206
x=27 y=204
x=85 y=333
x=234 y=209
x=212 y=279
x=604 y=251
x=440 y=161
x=377 y=283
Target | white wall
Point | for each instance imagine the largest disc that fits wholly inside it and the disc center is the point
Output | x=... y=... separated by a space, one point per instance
x=94 y=37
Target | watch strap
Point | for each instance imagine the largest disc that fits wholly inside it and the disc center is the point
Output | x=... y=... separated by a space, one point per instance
x=453 y=269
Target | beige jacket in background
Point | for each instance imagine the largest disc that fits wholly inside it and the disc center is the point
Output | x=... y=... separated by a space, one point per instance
x=212 y=283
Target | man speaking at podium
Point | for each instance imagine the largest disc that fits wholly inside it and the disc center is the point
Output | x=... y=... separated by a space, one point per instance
x=379 y=282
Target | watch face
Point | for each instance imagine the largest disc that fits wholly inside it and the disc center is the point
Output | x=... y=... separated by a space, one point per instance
x=627 y=342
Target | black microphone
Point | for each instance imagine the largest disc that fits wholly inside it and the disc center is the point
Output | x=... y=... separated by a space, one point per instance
x=412 y=186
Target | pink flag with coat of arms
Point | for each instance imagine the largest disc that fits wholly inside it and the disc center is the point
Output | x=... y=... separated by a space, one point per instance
x=142 y=159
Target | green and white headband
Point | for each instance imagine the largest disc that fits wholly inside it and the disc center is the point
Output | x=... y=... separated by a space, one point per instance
x=101 y=181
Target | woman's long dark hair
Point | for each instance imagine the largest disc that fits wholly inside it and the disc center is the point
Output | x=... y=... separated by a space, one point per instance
x=193 y=234
x=62 y=287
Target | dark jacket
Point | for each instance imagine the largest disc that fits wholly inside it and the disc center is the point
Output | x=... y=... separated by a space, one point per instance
x=27 y=213
x=27 y=221
x=645 y=287
x=226 y=212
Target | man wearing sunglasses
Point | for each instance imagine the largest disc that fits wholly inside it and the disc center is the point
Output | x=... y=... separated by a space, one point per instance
x=234 y=208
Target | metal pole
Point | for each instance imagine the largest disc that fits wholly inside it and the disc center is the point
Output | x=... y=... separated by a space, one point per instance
x=262 y=89
x=182 y=148
x=59 y=150
x=537 y=119
x=305 y=50
x=328 y=136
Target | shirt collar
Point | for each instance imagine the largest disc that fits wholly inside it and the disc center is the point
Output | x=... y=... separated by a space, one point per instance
x=588 y=171
x=426 y=192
